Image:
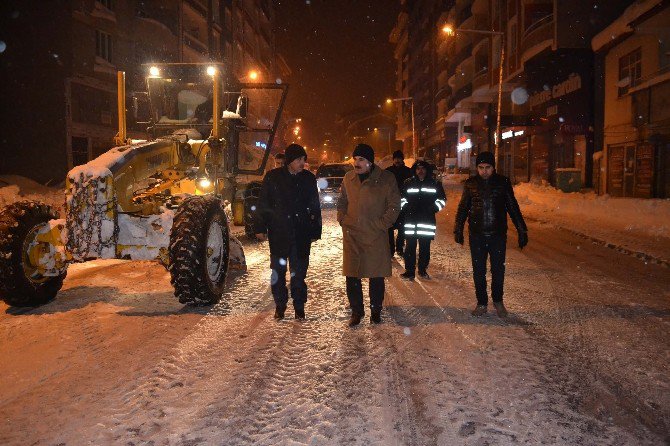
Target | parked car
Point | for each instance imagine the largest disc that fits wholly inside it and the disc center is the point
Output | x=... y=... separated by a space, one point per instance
x=329 y=179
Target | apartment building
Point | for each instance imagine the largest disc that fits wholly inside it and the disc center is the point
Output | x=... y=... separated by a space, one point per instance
x=544 y=85
x=61 y=60
x=633 y=158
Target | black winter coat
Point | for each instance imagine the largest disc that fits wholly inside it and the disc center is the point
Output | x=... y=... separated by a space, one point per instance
x=401 y=174
x=288 y=210
x=420 y=201
x=486 y=203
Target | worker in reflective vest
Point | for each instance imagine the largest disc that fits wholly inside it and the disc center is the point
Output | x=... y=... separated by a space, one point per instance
x=421 y=198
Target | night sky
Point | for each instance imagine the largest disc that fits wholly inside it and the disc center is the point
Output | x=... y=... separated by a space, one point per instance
x=340 y=57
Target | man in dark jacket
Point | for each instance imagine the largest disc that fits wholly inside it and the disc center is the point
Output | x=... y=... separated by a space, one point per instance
x=289 y=212
x=422 y=197
x=487 y=199
x=401 y=173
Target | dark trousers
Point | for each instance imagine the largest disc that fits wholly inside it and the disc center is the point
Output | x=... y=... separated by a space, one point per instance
x=396 y=243
x=298 y=262
x=355 y=294
x=481 y=247
x=410 y=254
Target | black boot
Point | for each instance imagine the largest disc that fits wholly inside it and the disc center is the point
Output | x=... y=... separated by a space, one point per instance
x=355 y=319
x=376 y=316
x=279 y=313
x=300 y=314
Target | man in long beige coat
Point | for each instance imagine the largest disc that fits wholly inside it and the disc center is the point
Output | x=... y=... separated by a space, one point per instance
x=369 y=204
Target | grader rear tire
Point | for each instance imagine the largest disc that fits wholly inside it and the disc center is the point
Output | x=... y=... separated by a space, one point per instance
x=199 y=251
x=21 y=285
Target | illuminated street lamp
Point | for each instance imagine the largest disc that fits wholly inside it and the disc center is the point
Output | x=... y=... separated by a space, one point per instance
x=451 y=31
x=253 y=75
x=411 y=101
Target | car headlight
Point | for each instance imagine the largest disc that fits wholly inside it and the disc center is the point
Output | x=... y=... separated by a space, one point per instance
x=327 y=198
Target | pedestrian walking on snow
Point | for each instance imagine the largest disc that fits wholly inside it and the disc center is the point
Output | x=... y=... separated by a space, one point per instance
x=369 y=204
x=289 y=212
x=487 y=199
x=421 y=198
x=401 y=173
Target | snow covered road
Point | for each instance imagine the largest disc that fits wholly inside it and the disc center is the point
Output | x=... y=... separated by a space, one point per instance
x=583 y=359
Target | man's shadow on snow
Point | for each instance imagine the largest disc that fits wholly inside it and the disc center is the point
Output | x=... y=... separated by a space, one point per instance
x=427 y=315
x=413 y=316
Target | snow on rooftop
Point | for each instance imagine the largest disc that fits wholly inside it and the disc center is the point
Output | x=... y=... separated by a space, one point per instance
x=622 y=24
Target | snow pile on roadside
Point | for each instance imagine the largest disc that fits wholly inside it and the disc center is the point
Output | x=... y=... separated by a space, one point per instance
x=638 y=225
x=15 y=188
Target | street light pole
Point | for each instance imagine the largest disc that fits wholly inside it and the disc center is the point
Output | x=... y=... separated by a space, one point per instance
x=450 y=32
x=411 y=101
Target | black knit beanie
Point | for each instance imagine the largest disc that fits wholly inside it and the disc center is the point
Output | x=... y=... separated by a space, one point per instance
x=398 y=154
x=486 y=158
x=293 y=152
x=364 y=151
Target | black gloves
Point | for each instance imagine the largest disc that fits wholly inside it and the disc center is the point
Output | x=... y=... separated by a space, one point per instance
x=523 y=239
x=458 y=237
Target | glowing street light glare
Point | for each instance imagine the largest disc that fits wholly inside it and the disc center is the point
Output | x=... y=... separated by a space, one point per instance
x=389 y=100
x=154 y=71
x=211 y=70
x=204 y=183
x=253 y=75
x=448 y=30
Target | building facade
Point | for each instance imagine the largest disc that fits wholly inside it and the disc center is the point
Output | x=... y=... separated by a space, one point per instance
x=68 y=52
x=532 y=57
x=634 y=147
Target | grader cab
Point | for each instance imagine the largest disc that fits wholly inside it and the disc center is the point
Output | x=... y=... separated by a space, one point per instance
x=163 y=198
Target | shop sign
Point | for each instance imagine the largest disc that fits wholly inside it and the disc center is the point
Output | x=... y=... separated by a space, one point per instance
x=573 y=129
x=571 y=84
x=511 y=134
x=464 y=143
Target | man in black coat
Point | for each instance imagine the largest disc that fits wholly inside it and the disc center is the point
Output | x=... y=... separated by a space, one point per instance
x=487 y=199
x=401 y=173
x=421 y=198
x=289 y=212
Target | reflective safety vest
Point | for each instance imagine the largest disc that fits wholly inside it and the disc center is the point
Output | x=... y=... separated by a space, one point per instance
x=420 y=201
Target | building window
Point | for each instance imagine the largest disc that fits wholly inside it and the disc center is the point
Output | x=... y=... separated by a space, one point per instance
x=103 y=45
x=107 y=4
x=630 y=70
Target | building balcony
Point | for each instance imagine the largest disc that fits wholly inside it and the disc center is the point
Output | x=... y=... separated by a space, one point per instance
x=199 y=6
x=195 y=44
x=462 y=93
x=463 y=15
x=481 y=79
x=537 y=36
x=442 y=93
x=459 y=57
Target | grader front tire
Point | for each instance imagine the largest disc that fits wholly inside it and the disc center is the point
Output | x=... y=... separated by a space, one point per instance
x=199 y=251
x=21 y=285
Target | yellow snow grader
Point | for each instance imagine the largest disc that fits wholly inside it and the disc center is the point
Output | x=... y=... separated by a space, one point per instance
x=163 y=198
